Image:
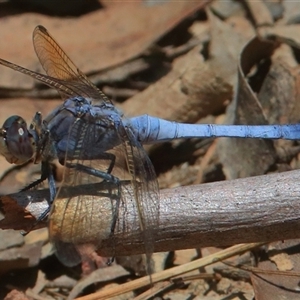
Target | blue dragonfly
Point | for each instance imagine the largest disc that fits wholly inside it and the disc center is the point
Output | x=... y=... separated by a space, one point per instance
x=96 y=143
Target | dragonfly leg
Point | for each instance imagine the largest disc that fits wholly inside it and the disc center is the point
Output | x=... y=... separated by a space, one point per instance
x=114 y=223
x=112 y=158
x=46 y=174
x=106 y=156
x=91 y=171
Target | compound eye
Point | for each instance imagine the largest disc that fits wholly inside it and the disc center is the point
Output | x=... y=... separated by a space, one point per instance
x=16 y=143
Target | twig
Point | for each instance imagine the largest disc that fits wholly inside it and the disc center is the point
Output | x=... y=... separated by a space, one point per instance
x=170 y=273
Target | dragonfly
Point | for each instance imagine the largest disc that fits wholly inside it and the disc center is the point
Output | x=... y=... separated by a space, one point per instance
x=93 y=140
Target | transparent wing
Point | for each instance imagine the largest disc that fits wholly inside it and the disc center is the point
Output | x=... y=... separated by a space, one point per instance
x=63 y=75
x=81 y=221
x=58 y=65
x=64 y=90
x=128 y=163
x=145 y=187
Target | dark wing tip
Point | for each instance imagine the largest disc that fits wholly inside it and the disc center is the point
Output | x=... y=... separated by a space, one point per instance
x=41 y=28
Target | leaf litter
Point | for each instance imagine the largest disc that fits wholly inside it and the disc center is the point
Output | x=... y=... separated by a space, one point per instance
x=193 y=62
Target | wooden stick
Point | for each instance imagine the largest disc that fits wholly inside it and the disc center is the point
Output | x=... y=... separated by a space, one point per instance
x=255 y=209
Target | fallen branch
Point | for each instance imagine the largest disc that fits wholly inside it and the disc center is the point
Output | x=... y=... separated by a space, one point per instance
x=255 y=209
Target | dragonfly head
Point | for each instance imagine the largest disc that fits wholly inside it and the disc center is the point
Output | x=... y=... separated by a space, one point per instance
x=17 y=145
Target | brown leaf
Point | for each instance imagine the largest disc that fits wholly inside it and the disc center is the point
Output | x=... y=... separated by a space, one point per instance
x=99 y=275
x=285 y=33
x=10 y=238
x=279 y=94
x=16 y=295
x=23 y=257
x=278 y=286
x=22 y=215
x=189 y=92
x=246 y=157
x=291 y=12
x=90 y=42
x=225 y=47
x=260 y=13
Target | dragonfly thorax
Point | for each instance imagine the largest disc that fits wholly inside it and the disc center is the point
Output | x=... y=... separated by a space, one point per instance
x=17 y=145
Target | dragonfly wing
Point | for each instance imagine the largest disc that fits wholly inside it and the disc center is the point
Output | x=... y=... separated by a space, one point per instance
x=81 y=220
x=145 y=187
x=58 y=65
x=122 y=171
x=63 y=75
x=84 y=211
x=77 y=220
x=66 y=91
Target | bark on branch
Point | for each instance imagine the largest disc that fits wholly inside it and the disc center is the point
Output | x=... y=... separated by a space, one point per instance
x=255 y=209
